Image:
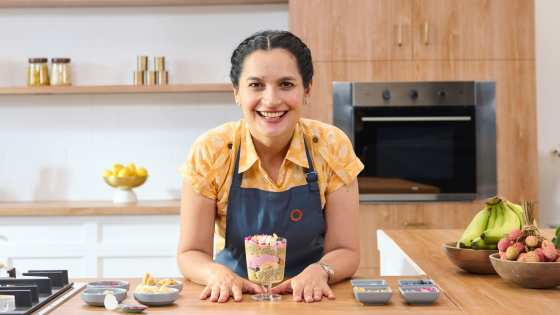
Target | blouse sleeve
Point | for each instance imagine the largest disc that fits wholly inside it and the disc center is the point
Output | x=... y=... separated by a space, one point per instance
x=198 y=168
x=344 y=165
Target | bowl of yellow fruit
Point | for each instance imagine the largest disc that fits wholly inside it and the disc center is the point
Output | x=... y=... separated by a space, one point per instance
x=124 y=179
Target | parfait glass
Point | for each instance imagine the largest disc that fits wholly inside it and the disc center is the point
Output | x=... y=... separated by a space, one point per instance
x=266 y=261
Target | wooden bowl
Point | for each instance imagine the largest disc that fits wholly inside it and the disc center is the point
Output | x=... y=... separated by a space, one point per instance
x=533 y=275
x=470 y=260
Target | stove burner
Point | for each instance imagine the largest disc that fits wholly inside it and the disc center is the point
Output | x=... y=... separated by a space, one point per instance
x=35 y=289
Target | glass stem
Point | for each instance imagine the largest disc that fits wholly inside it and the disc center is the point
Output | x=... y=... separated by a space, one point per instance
x=268 y=289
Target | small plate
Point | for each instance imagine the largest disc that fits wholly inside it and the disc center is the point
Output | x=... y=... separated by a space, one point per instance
x=157 y=299
x=108 y=284
x=427 y=294
x=362 y=282
x=415 y=282
x=372 y=294
x=95 y=296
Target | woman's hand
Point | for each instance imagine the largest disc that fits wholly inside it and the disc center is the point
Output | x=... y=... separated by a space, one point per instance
x=224 y=283
x=309 y=286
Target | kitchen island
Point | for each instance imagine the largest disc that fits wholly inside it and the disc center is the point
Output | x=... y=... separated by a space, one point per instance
x=462 y=293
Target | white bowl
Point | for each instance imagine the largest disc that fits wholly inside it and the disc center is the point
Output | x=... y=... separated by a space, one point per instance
x=157 y=299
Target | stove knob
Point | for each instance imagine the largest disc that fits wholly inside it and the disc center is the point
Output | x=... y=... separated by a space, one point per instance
x=441 y=93
x=386 y=95
x=413 y=94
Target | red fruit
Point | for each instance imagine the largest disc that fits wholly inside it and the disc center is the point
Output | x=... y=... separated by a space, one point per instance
x=503 y=244
x=547 y=243
x=531 y=257
x=540 y=253
x=532 y=241
x=550 y=253
x=515 y=235
x=521 y=257
x=520 y=247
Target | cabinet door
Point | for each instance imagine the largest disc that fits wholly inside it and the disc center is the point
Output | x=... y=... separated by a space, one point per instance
x=516 y=115
x=354 y=30
x=473 y=29
x=320 y=107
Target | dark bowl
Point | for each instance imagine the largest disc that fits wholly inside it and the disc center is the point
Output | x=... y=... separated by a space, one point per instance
x=533 y=275
x=470 y=260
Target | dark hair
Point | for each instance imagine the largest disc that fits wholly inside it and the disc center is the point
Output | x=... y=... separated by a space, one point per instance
x=267 y=40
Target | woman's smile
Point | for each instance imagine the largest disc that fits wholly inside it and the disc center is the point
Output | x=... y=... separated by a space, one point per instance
x=272 y=116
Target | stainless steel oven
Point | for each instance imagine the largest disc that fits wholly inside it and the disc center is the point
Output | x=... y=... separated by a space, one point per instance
x=421 y=140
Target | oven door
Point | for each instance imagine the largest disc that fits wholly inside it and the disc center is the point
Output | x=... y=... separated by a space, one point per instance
x=416 y=153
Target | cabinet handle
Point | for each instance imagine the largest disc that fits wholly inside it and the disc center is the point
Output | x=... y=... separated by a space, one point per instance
x=426 y=33
x=414 y=224
x=399 y=35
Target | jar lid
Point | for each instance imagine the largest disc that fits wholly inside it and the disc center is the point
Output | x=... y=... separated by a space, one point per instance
x=60 y=60
x=38 y=60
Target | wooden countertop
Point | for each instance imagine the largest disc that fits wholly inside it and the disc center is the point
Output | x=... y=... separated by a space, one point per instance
x=473 y=294
x=188 y=303
x=462 y=293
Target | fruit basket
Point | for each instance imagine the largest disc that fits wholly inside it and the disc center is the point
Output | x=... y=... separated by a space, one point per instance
x=124 y=179
x=471 y=252
x=470 y=260
x=533 y=275
x=526 y=257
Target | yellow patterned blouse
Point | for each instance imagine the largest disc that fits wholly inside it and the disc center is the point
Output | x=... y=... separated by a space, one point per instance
x=210 y=163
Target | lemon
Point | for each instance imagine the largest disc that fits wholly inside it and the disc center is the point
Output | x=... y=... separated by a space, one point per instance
x=116 y=168
x=107 y=173
x=142 y=172
x=131 y=169
x=123 y=172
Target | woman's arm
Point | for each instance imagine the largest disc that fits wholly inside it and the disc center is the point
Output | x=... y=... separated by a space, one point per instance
x=194 y=253
x=342 y=241
x=342 y=248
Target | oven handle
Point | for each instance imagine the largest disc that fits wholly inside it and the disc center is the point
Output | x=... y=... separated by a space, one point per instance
x=418 y=118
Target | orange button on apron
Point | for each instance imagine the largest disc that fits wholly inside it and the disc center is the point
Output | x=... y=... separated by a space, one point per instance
x=295 y=215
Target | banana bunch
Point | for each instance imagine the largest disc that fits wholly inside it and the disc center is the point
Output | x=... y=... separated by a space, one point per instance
x=498 y=218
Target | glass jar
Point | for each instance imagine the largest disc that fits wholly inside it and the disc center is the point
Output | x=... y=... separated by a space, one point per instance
x=38 y=72
x=61 y=72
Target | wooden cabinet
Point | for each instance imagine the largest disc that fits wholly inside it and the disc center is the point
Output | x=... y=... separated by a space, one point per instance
x=473 y=29
x=361 y=30
x=354 y=29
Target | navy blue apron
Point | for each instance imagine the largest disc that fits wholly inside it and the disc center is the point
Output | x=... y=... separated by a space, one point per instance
x=295 y=214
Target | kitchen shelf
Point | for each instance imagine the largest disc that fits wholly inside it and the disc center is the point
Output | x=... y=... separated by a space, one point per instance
x=83 y=208
x=118 y=89
x=124 y=3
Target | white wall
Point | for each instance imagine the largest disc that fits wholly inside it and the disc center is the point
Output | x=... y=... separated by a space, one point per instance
x=548 y=108
x=55 y=147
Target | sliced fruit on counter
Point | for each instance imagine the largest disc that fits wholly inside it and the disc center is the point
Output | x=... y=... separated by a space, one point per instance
x=499 y=217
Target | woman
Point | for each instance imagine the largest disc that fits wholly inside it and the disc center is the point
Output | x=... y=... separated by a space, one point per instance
x=271 y=172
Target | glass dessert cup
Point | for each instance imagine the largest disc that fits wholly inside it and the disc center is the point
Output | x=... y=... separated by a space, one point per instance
x=266 y=261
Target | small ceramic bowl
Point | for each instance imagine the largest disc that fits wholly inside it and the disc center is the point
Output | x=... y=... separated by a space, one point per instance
x=362 y=282
x=108 y=284
x=157 y=299
x=178 y=286
x=372 y=294
x=96 y=296
x=419 y=294
x=415 y=282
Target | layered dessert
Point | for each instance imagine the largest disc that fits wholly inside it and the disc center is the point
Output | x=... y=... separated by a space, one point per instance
x=266 y=258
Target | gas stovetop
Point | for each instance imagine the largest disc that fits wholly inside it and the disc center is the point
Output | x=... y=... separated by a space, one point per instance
x=35 y=289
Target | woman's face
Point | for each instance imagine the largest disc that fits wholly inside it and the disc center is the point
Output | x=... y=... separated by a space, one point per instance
x=271 y=93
